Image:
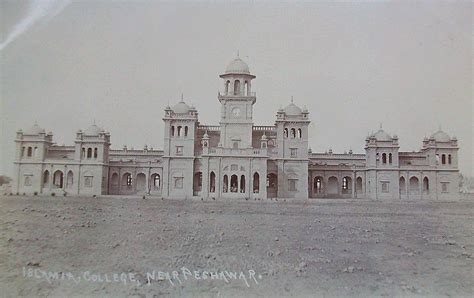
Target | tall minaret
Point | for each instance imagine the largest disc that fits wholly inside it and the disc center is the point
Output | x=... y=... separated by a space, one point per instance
x=237 y=101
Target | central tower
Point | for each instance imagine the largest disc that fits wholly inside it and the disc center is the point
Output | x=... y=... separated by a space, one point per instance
x=237 y=102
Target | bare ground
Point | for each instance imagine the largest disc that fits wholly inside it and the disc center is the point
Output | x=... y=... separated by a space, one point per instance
x=314 y=248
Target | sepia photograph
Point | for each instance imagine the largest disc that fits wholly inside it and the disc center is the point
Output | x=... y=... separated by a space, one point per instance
x=236 y=148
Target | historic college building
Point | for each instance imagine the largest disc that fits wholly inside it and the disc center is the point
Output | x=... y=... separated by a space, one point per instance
x=235 y=159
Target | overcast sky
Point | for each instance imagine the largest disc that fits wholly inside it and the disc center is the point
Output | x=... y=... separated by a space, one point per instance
x=354 y=65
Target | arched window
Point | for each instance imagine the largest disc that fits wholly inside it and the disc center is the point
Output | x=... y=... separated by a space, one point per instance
x=390 y=158
x=212 y=183
x=246 y=88
x=172 y=131
x=299 y=133
x=227 y=84
x=235 y=145
x=45 y=178
x=285 y=133
x=384 y=158
x=95 y=153
x=89 y=152
x=83 y=153
x=242 y=183
x=293 y=133
x=234 y=183
x=225 y=184
x=30 y=151
x=23 y=151
x=237 y=87
x=179 y=131
x=449 y=159
x=185 y=131
x=35 y=154
x=443 y=159
x=426 y=185
x=256 y=183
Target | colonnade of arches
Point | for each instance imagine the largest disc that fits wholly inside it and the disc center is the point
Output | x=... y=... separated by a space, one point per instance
x=56 y=180
x=127 y=182
x=292 y=133
x=29 y=151
x=235 y=183
x=179 y=131
x=333 y=186
x=237 y=87
x=413 y=186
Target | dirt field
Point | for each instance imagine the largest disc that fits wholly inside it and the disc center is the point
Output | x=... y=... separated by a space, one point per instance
x=57 y=246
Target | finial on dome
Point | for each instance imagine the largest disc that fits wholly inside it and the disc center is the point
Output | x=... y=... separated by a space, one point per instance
x=292 y=99
x=237 y=53
x=182 y=97
x=93 y=121
x=439 y=126
x=381 y=125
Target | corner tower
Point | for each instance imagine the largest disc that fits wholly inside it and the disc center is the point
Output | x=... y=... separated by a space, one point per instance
x=237 y=102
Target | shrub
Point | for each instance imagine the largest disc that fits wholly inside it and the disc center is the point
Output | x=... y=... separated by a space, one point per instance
x=53 y=194
x=35 y=193
x=143 y=197
x=65 y=194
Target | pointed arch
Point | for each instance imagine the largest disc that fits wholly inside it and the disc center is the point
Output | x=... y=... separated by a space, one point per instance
x=402 y=185
x=155 y=181
x=69 y=179
x=242 y=184
x=234 y=183
x=212 y=183
x=256 y=183
x=236 y=87
x=58 y=179
x=225 y=183
x=46 y=178
x=426 y=185
x=318 y=185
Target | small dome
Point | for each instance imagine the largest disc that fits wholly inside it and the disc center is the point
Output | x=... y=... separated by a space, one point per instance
x=292 y=110
x=181 y=108
x=237 y=66
x=441 y=136
x=34 y=130
x=93 y=130
x=382 y=135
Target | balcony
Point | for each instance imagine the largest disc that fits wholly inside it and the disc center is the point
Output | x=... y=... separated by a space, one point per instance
x=237 y=94
x=261 y=152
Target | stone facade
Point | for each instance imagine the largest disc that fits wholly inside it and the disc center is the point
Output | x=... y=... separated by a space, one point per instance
x=235 y=159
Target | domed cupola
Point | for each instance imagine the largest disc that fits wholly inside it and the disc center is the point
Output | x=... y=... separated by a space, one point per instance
x=237 y=66
x=181 y=108
x=34 y=130
x=382 y=135
x=292 y=110
x=441 y=136
x=93 y=131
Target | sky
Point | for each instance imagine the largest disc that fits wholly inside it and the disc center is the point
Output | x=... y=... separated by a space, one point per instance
x=354 y=65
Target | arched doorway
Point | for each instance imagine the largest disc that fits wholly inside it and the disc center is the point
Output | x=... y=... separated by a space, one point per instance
x=333 y=187
x=225 y=184
x=114 y=182
x=69 y=179
x=318 y=185
x=426 y=185
x=346 y=185
x=127 y=181
x=233 y=183
x=155 y=182
x=58 y=178
x=256 y=183
x=141 y=182
x=414 y=185
x=359 y=185
x=402 y=185
x=242 y=184
x=272 y=185
x=46 y=178
x=212 y=183
x=197 y=183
